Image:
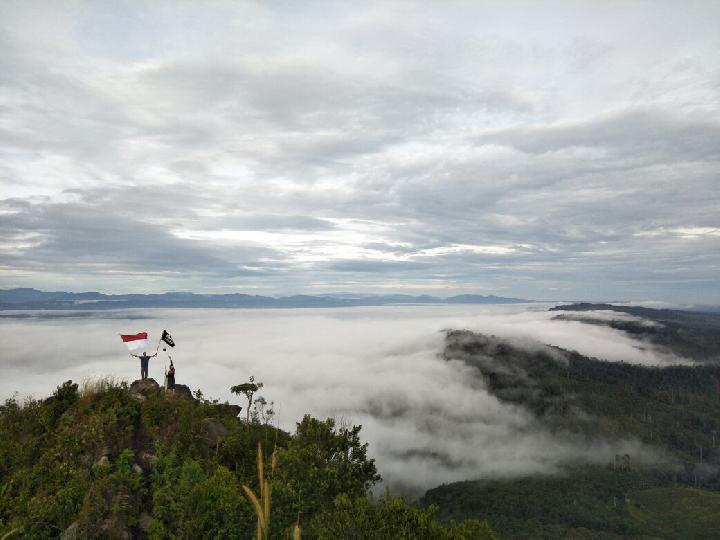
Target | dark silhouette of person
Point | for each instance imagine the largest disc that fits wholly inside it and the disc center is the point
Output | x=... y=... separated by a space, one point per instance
x=170 y=374
x=144 y=362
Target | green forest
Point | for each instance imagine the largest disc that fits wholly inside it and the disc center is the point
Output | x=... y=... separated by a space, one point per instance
x=109 y=460
x=674 y=412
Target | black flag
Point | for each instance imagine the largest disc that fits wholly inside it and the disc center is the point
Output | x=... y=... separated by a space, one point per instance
x=167 y=338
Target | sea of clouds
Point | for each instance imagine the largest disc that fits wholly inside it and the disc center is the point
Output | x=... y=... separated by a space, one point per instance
x=427 y=421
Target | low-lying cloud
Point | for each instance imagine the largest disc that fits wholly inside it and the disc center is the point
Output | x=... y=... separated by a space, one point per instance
x=427 y=420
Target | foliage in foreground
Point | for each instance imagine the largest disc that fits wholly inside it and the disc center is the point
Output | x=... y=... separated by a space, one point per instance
x=389 y=519
x=108 y=463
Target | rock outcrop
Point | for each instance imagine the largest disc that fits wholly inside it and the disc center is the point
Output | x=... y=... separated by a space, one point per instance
x=181 y=391
x=144 y=386
x=227 y=409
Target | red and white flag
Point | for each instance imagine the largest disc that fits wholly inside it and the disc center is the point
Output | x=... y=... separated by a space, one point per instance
x=136 y=342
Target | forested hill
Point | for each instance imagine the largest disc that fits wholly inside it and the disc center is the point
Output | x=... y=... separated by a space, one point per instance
x=673 y=411
x=690 y=334
x=109 y=460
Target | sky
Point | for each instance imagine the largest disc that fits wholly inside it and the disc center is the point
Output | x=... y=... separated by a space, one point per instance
x=427 y=420
x=543 y=150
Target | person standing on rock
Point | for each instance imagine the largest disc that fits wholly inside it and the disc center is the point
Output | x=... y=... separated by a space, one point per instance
x=144 y=362
x=170 y=374
x=139 y=342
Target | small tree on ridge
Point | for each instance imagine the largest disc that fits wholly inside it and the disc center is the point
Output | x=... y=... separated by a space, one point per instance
x=247 y=389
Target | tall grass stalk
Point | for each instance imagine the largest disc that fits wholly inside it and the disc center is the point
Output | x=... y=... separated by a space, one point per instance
x=262 y=503
x=92 y=386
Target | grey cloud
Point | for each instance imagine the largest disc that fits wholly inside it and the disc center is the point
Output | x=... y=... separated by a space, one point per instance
x=456 y=125
x=377 y=266
x=270 y=223
x=104 y=239
x=642 y=132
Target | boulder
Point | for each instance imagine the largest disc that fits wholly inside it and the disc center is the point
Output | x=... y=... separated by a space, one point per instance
x=226 y=409
x=181 y=391
x=144 y=386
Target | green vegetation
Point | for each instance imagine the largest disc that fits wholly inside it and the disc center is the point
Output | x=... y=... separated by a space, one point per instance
x=591 y=502
x=675 y=409
x=674 y=412
x=690 y=334
x=110 y=460
x=587 y=499
x=680 y=512
x=113 y=461
x=390 y=518
x=248 y=390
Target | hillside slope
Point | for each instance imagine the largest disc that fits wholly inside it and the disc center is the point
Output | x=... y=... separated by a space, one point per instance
x=690 y=334
x=118 y=461
x=673 y=411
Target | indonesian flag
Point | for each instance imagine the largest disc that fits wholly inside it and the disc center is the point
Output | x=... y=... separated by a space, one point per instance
x=136 y=342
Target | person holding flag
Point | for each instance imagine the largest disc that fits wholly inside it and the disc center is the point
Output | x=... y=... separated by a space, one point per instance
x=170 y=377
x=169 y=372
x=137 y=342
x=144 y=363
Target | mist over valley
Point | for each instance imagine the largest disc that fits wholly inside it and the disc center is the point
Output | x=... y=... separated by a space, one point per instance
x=429 y=419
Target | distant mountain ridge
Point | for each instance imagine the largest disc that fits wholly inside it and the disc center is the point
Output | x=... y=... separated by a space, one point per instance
x=28 y=298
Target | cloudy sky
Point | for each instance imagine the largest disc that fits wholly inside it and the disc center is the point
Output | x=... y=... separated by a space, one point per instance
x=533 y=149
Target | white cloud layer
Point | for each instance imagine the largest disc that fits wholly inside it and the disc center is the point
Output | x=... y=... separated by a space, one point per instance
x=428 y=421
